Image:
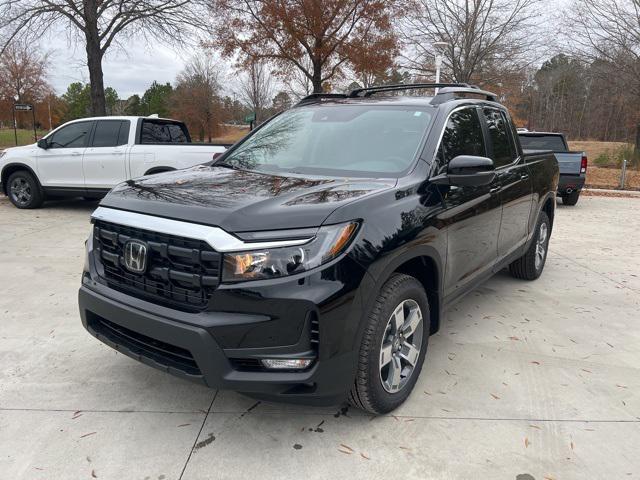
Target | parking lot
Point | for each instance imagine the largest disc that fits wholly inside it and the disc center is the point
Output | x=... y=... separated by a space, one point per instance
x=524 y=380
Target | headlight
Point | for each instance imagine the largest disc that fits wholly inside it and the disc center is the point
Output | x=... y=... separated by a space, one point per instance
x=329 y=242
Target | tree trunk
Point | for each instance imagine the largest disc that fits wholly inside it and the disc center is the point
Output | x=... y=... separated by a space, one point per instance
x=94 y=58
x=316 y=78
x=636 y=146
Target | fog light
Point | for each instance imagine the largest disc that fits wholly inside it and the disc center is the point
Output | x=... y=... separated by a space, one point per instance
x=286 y=364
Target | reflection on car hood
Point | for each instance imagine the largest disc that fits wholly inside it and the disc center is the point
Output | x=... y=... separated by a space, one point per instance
x=239 y=200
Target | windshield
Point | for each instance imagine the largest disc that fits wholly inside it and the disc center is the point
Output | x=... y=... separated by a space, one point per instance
x=543 y=142
x=354 y=140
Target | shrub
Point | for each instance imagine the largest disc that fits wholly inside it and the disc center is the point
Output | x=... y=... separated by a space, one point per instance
x=628 y=152
x=602 y=160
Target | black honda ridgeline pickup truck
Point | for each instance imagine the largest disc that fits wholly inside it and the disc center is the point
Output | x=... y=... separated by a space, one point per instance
x=312 y=260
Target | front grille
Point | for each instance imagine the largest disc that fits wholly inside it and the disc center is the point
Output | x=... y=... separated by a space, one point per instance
x=181 y=272
x=161 y=353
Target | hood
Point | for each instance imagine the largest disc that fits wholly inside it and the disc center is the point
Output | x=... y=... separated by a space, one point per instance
x=22 y=148
x=239 y=200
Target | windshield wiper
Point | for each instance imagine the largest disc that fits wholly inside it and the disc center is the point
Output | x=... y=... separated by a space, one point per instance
x=226 y=165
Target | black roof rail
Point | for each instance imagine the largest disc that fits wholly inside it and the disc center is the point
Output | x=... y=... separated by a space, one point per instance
x=319 y=96
x=446 y=92
x=450 y=93
x=402 y=86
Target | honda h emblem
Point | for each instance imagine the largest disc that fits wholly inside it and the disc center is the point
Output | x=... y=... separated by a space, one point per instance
x=135 y=256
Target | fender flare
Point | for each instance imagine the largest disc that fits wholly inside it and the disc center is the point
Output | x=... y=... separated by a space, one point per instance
x=377 y=274
x=15 y=166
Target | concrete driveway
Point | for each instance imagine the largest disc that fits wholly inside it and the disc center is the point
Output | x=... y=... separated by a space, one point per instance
x=524 y=381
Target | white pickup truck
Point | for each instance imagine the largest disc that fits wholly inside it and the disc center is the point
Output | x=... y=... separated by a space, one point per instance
x=87 y=157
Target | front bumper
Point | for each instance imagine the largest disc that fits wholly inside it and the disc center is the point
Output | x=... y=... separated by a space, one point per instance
x=570 y=183
x=222 y=345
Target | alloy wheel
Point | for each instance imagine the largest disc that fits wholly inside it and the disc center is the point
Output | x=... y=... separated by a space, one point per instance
x=541 y=245
x=20 y=191
x=401 y=344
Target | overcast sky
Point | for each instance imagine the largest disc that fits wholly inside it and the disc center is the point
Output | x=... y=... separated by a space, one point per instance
x=129 y=70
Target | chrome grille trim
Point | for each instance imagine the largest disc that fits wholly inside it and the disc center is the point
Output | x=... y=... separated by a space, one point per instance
x=218 y=239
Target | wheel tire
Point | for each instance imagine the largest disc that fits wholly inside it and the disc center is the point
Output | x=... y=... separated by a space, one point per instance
x=368 y=392
x=24 y=190
x=526 y=267
x=570 y=199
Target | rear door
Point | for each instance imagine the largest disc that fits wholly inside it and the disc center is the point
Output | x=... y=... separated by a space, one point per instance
x=104 y=159
x=60 y=165
x=472 y=214
x=514 y=178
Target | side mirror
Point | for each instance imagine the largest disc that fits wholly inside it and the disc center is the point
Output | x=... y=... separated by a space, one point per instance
x=467 y=171
x=42 y=143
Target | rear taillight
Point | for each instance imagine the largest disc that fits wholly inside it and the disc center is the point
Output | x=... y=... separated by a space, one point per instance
x=583 y=164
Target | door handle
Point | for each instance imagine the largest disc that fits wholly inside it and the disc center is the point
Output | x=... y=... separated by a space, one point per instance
x=76 y=154
x=524 y=176
x=495 y=189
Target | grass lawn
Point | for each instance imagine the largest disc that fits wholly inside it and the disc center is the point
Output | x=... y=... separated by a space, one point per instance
x=25 y=137
x=606 y=172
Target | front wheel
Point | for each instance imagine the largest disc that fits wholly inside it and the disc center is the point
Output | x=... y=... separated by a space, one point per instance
x=393 y=347
x=24 y=190
x=531 y=264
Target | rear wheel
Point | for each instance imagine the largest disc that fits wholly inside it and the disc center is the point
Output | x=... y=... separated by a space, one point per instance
x=393 y=347
x=571 y=198
x=531 y=264
x=24 y=190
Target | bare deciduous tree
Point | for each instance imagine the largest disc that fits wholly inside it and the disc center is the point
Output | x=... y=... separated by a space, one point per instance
x=196 y=96
x=256 y=88
x=314 y=37
x=485 y=38
x=98 y=24
x=609 y=31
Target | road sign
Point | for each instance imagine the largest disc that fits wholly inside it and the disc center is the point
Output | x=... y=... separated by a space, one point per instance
x=250 y=118
x=23 y=107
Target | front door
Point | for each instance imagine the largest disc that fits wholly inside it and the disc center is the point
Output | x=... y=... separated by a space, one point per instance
x=60 y=165
x=105 y=158
x=515 y=182
x=472 y=215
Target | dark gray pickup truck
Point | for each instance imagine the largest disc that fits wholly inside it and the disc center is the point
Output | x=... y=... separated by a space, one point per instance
x=573 y=165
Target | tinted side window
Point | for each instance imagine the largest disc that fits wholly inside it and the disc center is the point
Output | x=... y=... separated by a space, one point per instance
x=162 y=132
x=462 y=136
x=177 y=133
x=71 y=136
x=503 y=149
x=123 y=136
x=107 y=133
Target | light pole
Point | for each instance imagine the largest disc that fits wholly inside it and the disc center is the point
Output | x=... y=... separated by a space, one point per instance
x=439 y=47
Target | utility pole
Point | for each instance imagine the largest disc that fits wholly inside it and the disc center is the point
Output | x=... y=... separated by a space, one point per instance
x=49 y=105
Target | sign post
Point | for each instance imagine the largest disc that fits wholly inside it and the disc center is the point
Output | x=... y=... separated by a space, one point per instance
x=25 y=107
x=15 y=125
x=250 y=119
